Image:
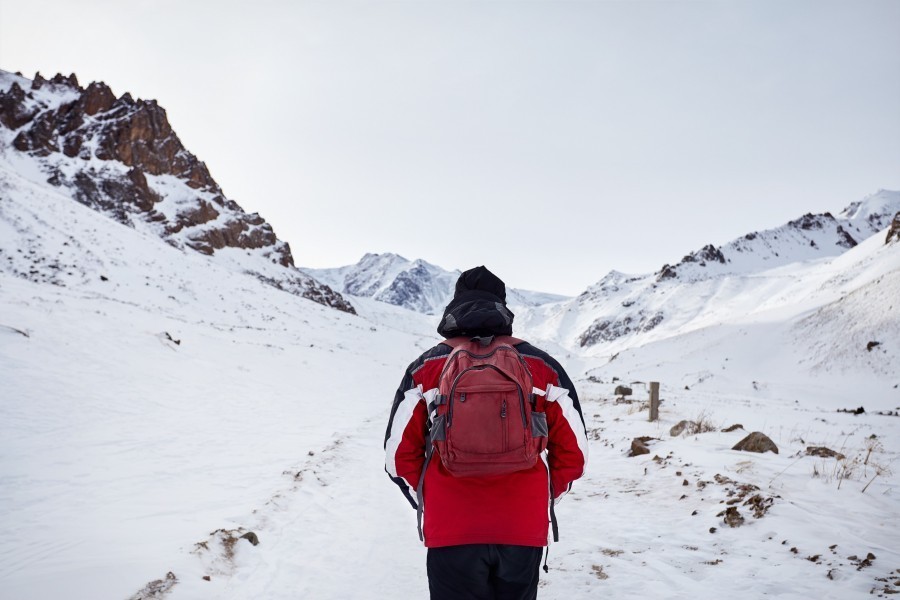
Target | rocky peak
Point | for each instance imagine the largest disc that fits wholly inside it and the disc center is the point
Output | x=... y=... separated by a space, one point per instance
x=136 y=133
x=121 y=156
x=707 y=254
x=97 y=98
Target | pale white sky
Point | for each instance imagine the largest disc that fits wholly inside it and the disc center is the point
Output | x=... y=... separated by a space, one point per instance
x=588 y=135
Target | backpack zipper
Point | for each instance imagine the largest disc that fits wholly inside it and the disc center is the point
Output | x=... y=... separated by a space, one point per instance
x=462 y=395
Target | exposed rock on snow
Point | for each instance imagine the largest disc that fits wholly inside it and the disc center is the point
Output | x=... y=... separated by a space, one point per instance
x=733 y=517
x=681 y=427
x=622 y=390
x=251 y=537
x=608 y=330
x=639 y=446
x=121 y=157
x=823 y=452
x=756 y=442
x=893 y=233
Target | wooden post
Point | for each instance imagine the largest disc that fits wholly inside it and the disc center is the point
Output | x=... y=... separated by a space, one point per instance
x=654 y=400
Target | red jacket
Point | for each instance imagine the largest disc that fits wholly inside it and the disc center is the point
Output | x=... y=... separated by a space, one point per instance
x=498 y=509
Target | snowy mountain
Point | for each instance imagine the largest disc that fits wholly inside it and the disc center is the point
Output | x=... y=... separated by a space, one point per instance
x=807 y=238
x=416 y=285
x=120 y=157
x=159 y=403
x=711 y=285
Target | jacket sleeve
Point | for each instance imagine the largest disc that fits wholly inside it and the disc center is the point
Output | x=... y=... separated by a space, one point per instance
x=567 y=448
x=404 y=440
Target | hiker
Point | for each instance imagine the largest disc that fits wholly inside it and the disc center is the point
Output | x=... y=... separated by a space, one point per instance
x=483 y=429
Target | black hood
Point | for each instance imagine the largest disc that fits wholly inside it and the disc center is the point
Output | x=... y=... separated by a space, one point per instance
x=478 y=306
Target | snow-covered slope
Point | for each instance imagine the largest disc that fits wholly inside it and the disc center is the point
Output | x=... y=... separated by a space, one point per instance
x=149 y=396
x=417 y=285
x=713 y=285
x=157 y=405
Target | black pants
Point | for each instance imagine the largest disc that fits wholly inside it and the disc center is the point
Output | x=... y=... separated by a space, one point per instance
x=484 y=572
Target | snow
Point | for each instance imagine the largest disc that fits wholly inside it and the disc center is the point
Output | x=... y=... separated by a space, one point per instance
x=122 y=450
x=872 y=207
x=121 y=447
x=155 y=404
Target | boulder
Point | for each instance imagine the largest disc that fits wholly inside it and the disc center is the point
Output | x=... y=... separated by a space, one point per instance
x=639 y=446
x=251 y=537
x=756 y=442
x=622 y=390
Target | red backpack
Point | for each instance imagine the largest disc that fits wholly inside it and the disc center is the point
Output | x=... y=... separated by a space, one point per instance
x=483 y=419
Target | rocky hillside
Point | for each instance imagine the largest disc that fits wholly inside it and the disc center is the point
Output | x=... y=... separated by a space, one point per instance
x=413 y=284
x=121 y=157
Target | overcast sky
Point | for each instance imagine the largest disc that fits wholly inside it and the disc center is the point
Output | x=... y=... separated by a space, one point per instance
x=551 y=141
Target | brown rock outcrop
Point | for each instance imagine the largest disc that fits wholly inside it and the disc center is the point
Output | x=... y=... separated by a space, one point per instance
x=13 y=111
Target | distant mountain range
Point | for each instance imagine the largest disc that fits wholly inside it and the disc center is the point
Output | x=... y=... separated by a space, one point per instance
x=714 y=282
x=120 y=157
x=413 y=284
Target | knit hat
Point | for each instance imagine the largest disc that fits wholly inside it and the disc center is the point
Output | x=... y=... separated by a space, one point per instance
x=478 y=307
x=480 y=278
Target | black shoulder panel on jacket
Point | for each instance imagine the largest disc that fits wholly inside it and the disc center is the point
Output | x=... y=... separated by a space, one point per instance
x=407 y=382
x=526 y=349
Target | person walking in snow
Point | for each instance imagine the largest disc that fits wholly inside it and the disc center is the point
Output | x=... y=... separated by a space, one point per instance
x=485 y=436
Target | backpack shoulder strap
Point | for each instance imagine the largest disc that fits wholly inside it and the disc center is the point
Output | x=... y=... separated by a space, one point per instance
x=455 y=342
